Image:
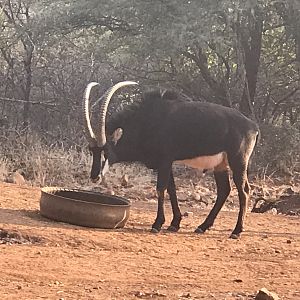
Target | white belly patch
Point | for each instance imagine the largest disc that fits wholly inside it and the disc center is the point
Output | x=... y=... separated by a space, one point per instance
x=203 y=162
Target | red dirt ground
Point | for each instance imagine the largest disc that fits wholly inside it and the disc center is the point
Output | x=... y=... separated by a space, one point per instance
x=72 y=262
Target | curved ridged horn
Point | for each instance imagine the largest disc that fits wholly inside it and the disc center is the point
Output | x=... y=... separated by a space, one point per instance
x=90 y=136
x=101 y=139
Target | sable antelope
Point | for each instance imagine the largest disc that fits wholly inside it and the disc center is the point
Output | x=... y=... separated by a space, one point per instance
x=162 y=129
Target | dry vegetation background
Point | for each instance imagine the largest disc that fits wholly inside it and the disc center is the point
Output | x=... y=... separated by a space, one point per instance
x=243 y=54
x=33 y=163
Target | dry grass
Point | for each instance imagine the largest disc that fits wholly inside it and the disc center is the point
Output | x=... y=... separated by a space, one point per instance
x=4 y=169
x=42 y=164
x=58 y=165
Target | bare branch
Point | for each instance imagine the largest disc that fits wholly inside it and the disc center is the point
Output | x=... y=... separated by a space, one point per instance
x=283 y=99
x=223 y=59
x=219 y=89
x=31 y=102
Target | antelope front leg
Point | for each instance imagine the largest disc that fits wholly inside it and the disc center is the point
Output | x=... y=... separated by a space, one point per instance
x=175 y=224
x=160 y=218
x=162 y=184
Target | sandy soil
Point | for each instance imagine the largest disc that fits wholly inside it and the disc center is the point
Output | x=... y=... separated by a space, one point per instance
x=70 y=262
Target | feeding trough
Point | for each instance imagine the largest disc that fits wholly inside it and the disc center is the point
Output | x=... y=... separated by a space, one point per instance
x=84 y=208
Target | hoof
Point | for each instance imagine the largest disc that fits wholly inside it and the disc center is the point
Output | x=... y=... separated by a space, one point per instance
x=173 y=228
x=199 y=230
x=234 y=236
x=154 y=230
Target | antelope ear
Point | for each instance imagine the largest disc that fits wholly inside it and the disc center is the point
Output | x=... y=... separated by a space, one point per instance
x=117 y=135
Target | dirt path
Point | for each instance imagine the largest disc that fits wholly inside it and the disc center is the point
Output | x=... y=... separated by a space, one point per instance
x=71 y=262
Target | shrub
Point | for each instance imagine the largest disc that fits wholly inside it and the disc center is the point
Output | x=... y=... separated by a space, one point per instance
x=43 y=164
x=278 y=149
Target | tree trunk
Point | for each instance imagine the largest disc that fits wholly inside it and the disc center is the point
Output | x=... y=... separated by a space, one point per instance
x=251 y=41
x=28 y=82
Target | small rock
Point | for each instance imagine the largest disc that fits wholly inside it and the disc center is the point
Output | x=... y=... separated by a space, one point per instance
x=238 y=280
x=181 y=195
x=111 y=192
x=188 y=214
x=152 y=201
x=292 y=213
x=273 y=211
x=289 y=191
x=196 y=196
x=139 y=294
x=124 y=180
x=288 y=241
x=18 y=178
x=187 y=295
x=264 y=294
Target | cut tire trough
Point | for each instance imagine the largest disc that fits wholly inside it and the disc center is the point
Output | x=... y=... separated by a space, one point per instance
x=84 y=208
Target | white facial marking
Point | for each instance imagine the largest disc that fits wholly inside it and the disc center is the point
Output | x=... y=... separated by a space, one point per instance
x=203 y=162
